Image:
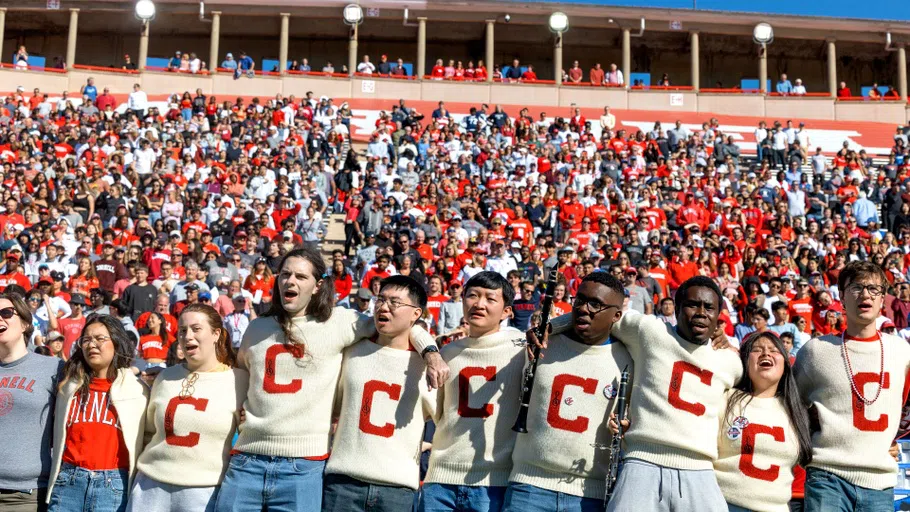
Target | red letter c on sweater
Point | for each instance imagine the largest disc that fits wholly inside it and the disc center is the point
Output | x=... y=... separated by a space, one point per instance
x=579 y=424
x=859 y=408
x=192 y=438
x=269 y=385
x=748 y=449
x=464 y=390
x=366 y=406
x=680 y=368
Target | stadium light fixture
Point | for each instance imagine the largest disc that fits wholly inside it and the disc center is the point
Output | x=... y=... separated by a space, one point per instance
x=353 y=14
x=763 y=34
x=559 y=22
x=145 y=10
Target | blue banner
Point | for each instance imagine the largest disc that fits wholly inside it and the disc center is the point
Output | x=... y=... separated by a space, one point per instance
x=884 y=10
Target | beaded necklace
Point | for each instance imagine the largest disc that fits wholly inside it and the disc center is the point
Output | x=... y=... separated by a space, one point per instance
x=849 y=368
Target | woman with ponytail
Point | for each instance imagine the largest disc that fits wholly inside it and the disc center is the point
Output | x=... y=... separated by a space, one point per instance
x=294 y=356
x=191 y=420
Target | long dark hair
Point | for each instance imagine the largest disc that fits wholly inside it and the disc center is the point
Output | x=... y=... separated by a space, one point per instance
x=224 y=351
x=77 y=368
x=786 y=392
x=321 y=303
x=162 y=328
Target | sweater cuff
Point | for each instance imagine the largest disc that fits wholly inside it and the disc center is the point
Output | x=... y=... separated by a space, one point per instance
x=421 y=339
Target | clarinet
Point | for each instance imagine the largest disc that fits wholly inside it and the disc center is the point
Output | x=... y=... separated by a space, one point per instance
x=521 y=423
x=616 y=443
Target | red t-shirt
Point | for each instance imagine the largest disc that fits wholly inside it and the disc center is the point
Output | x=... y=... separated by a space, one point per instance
x=71 y=329
x=93 y=438
x=151 y=347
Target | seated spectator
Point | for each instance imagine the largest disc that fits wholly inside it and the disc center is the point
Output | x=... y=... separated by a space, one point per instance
x=366 y=67
x=891 y=93
x=874 y=93
x=575 y=73
x=596 y=75
x=799 y=89
x=514 y=73
x=328 y=68
x=128 y=63
x=229 y=62
x=529 y=75
x=304 y=65
x=245 y=66
x=784 y=87
x=843 y=91
x=664 y=81
x=174 y=63
x=398 y=69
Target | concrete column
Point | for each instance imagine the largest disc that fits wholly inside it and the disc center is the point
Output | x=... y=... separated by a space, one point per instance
x=626 y=56
x=2 y=29
x=71 y=40
x=557 y=60
x=421 y=48
x=763 y=69
x=902 y=71
x=143 y=47
x=283 y=47
x=352 y=51
x=488 y=55
x=696 y=70
x=832 y=68
x=215 y=39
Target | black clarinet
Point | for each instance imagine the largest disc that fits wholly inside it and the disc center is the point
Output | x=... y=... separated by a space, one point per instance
x=521 y=423
x=616 y=443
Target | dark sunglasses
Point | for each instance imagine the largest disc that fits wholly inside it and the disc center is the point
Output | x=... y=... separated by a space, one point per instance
x=7 y=313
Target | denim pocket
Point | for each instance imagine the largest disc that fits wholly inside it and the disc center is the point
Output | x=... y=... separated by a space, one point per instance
x=64 y=478
x=817 y=476
x=115 y=484
x=302 y=465
x=239 y=460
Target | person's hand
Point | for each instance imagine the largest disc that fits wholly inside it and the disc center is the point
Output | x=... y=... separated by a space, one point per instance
x=148 y=376
x=437 y=370
x=895 y=451
x=241 y=416
x=614 y=428
x=720 y=340
x=534 y=341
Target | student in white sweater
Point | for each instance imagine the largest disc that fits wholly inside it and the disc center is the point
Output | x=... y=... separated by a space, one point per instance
x=294 y=356
x=472 y=447
x=855 y=384
x=764 y=431
x=99 y=422
x=375 y=459
x=675 y=409
x=191 y=419
x=562 y=461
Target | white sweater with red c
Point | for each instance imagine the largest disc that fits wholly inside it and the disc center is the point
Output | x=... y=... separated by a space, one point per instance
x=476 y=409
x=289 y=402
x=567 y=445
x=193 y=432
x=678 y=395
x=754 y=468
x=854 y=438
x=384 y=404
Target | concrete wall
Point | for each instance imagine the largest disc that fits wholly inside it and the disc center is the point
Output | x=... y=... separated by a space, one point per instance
x=541 y=95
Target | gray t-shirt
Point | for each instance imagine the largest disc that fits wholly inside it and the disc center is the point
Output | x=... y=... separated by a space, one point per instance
x=638 y=296
x=28 y=389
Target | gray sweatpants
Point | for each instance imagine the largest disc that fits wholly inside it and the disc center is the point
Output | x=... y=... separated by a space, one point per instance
x=646 y=487
x=150 y=495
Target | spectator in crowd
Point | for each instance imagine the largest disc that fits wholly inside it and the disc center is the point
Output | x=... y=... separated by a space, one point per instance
x=575 y=73
x=138 y=102
x=245 y=66
x=229 y=62
x=384 y=67
x=784 y=87
x=614 y=76
x=843 y=91
x=128 y=63
x=366 y=67
x=514 y=73
x=304 y=65
x=20 y=58
x=596 y=75
x=398 y=68
x=328 y=68
x=529 y=75
x=874 y=93
x=173 y=64
x=89 y=90
x=799 y=89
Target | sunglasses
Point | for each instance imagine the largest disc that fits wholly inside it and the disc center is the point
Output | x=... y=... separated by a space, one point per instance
x=7 y=313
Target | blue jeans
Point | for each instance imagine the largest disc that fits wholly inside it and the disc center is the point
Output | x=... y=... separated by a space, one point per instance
x=528 y=498
x=826 y=492
x=78 y=489
x=278 y=484
x=737 y=508
x=345 y=494
x=460 y=498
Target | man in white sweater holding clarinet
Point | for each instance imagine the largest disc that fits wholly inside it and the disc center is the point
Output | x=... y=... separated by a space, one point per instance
x=472 y=448
x=855 y=384
x=562 y=461
x=375 y=460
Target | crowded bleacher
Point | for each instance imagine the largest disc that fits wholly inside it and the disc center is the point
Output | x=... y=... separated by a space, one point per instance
x=133 y=233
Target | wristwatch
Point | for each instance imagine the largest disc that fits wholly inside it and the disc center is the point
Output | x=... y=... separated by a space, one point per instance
x=431 y=348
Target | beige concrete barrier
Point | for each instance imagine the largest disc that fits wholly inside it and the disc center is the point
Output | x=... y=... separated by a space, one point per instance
x=734 y=104
x=799 y=108
x=877 y=111
x=679 y=101
x=385 y=88
x=593 y=97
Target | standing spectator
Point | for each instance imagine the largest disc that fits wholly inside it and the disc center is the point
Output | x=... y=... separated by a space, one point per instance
x=106 y=100
x=366 y=67
x=607 y=120
x=529 y=75
x=843 y=91
x=128 y=63
x=398 y=69
x=514 y=73
x=195 y=63
x=140 y=296
x=245 y=66
x=614 y=77
x=173 y=64
x=138 y=102
x=799 y=89
x=385 y=67
x=575 y=73
x=784 y=87
x=596 y=75
x=26 y=429
x=328 y=68
x=89 y=90
x=305 y=66
x=20 y=58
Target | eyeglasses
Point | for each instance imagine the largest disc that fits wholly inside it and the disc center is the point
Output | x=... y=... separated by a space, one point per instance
x=34 y=299
x=874 y=290
x=594 y=306
x=392 y=303
x=98 y=341
x=7 y=313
